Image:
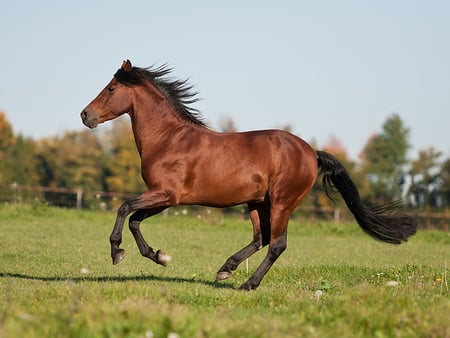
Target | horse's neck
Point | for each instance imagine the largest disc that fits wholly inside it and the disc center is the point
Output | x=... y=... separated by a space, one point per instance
x=152 y=119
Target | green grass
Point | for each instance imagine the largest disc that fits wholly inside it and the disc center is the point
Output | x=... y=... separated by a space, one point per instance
x=43 y=292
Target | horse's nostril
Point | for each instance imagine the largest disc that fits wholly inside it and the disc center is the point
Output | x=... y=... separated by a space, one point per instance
x=83 y=115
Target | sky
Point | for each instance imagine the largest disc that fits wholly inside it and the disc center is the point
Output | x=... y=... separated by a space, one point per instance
x=329 y=69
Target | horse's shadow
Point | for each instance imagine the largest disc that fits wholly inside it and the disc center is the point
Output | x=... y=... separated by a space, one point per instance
x=104 y=279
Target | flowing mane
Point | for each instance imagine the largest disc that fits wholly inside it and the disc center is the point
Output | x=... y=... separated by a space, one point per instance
x=178 y=92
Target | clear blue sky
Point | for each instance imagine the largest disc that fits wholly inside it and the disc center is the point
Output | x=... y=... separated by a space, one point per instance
x=328 y=68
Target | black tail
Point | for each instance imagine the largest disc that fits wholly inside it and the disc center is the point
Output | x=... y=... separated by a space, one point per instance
x=377 y=222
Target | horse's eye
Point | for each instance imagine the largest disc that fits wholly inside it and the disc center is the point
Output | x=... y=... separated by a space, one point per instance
x=110 y=89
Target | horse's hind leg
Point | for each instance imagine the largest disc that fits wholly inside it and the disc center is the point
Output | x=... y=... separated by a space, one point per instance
x=278 y=240
x=146 y=250
x=260 y=217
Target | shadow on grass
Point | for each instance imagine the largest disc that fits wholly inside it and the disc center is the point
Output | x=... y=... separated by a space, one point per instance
x=103 y=279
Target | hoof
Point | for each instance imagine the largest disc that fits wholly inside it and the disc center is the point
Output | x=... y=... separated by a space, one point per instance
x=163 y=258
x=221 y=275
x=118 y=256
x=248 y=287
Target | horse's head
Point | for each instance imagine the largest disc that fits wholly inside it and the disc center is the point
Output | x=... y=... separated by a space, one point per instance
x=114 y=100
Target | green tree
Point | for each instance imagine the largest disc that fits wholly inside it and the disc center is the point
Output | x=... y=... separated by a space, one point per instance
x=425 y=178
x=23 y=162
x=445 y=182
x=73 y=161
x=7 y=140
x=383 y=161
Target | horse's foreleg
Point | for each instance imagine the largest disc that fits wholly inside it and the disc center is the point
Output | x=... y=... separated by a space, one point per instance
x=260 y=217
x=146 y=250
x=117 y=254
x=150 y=200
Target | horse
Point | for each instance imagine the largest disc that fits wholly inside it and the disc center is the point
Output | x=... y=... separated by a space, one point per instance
x=184 y=162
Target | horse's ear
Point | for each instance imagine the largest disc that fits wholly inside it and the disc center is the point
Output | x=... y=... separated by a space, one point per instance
x=126 y=65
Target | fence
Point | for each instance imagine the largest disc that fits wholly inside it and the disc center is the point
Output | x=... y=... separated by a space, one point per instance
x=62 y=197
x=78 y=198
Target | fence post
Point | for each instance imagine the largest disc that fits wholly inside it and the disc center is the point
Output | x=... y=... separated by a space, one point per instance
x=79 y=198
x=337 y=214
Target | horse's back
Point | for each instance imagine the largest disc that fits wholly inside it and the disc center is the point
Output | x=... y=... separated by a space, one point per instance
x=287 y=151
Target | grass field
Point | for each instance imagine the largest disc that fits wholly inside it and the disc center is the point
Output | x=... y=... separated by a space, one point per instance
x=56 y=280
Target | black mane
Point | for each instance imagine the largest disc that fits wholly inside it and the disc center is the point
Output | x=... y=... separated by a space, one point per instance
x=178 y=92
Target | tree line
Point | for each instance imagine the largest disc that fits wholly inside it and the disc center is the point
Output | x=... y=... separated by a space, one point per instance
x=107 y=160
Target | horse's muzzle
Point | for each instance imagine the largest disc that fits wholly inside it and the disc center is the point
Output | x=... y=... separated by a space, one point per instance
x=89 y=119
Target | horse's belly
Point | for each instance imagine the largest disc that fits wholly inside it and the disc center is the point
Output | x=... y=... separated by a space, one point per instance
x=226 y=192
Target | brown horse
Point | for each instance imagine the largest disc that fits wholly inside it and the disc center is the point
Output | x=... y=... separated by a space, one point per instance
x=184 y=162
